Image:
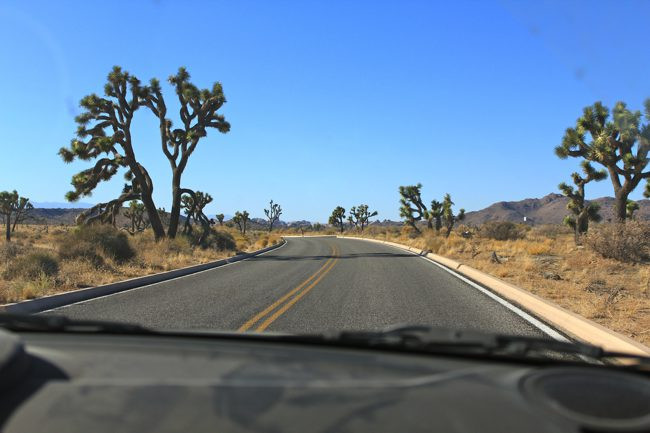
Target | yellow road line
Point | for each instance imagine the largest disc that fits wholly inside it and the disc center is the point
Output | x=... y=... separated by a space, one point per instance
x=274 y=305
x=289 y=304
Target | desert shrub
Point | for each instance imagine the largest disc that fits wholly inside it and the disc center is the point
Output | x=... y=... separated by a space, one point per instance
x=551 y=231
x=409 y=232
x=72 y=249
x=97 y=238
x=33 y=265
x=9 y=251
x=221 y=241
x=629 y=242
x=181 y=244
x=502 y=231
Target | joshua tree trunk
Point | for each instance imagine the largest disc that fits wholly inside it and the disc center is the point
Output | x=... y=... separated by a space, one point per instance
x=174 y=214
x=8 y=231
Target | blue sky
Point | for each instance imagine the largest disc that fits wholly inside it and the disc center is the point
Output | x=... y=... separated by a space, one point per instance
x=331 y=102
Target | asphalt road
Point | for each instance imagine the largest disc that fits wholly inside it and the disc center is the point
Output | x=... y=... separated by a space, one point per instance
x=311 y=285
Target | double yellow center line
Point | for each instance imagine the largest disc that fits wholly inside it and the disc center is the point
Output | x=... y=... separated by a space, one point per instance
x=279 y=307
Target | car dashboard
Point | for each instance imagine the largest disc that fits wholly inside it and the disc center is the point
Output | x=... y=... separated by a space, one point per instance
x=56 y=382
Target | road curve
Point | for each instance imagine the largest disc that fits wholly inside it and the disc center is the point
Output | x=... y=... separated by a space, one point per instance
x=310 y=285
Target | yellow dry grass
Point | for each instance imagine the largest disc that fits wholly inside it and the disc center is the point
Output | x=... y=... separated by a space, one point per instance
x=151 y=257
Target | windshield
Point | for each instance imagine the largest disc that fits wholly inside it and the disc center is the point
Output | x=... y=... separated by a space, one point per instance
x=308 y=167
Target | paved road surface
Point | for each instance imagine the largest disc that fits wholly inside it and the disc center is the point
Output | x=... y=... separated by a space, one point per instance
x=311 y=285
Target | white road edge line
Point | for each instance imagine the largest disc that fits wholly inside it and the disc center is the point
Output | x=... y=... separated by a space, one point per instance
x=518 y=311
x=161 y=282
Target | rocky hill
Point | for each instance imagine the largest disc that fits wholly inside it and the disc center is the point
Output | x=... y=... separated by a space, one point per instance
x=550 y=209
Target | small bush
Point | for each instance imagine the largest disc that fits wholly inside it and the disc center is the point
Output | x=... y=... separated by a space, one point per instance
x=97 y=238
x=9 y=251
x=222 y=241
x=551 y=231
x=502 y=231
x=34 y=265
x=71 y=249
x=629 y=242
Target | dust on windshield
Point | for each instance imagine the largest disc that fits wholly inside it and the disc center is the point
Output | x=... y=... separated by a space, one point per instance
x=313 y=166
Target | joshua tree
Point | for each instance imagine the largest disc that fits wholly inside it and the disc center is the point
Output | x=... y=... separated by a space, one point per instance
x=435 y=215
x=620 y=144
x=359 y=216
x=241 y=219
x=448 y=217
x=22 y=212
x=193 y=204
x=412 y=208
x=104 y=135
x=273 y=213
x=337 y=218
x=136 y=214
x=220 y=218
x=582 y=212
x=198 y=112
x=12 y=205
x=630 y=208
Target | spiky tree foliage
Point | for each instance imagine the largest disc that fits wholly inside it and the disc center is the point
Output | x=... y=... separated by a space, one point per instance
x=337 y=218
x=23 y=210
x=13 y=206
x=198 y=112
x=193 y=204
x=435 y=215
x=581 y=211
x=359 y=216
x=273 y=213
x=220 y=218
x=619 y=144
x=412 y=208
x=630 y=208
x=241 y=219
x=136 y=213
x=104 y=136
x=447 y=214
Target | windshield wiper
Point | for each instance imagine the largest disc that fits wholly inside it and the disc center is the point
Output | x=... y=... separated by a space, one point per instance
x=45 y=323
x=451 y=341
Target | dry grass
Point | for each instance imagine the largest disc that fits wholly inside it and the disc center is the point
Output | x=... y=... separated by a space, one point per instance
x=548 y=263
x=78 y=272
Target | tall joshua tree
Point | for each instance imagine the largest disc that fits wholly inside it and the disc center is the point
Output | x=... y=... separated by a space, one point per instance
x=582 y=212
x=198 y=112
x=104 y=135
x=620 y=144
x=337 y=218
x=412 y=208
x=241 y=219
x=447 y=215
x=193 y=204
x=273 y=213
x=12 y=206
x=435 y=215
x=360 y=216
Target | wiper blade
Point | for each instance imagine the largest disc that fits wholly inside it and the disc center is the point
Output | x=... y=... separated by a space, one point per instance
x=441 y=340
x=47 y=323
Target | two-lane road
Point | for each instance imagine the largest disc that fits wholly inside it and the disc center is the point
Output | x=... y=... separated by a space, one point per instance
x=311 y=285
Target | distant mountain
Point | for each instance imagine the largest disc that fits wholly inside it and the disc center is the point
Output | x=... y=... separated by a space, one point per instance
x=550 y=209
x=61 y=205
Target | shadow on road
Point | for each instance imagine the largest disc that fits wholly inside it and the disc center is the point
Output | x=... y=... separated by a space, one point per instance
x=329 y=256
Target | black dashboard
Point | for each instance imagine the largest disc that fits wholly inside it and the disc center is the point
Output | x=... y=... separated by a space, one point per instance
x=57 y=382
